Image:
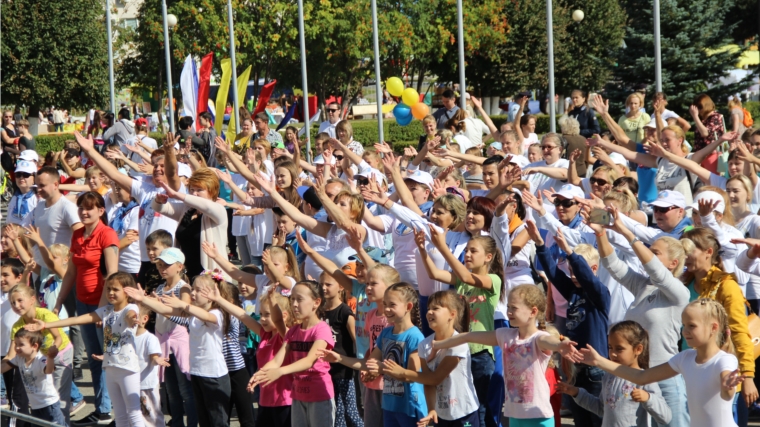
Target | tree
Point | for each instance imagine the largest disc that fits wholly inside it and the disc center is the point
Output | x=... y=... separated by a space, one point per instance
x=692 y=35
x=54 y=53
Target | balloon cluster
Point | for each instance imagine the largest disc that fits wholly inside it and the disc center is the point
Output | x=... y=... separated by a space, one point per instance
x=411 y=107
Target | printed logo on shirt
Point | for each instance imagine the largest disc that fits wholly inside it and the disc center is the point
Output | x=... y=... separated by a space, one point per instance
x=303 y=346
x=518 y=374
x=29 y=379
x=393 y=350
x=576 y=314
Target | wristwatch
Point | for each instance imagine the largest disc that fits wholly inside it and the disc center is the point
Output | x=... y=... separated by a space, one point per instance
x=634 y=240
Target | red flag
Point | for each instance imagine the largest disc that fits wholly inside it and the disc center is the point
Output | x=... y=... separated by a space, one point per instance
x=264 y=95
x=203 y=84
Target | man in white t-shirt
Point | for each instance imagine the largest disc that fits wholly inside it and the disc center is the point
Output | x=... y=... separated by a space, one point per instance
x=164 y=163
x=333 y=118
x=552 y=171
x=57 y=217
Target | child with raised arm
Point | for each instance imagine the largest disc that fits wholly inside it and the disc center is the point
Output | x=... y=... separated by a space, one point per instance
x=711 y=374
x=150 y=357
x=526 y=349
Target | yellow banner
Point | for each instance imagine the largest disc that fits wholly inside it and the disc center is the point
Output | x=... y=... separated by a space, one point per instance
x=242 y=86
x=221 y=96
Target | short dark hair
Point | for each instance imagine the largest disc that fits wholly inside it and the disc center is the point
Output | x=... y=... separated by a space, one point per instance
x=495 y=159
x=279 y=212
x=185 y=122
x=162 y=237
x=53 y=172
x=124 y=113
x=14 y=264
x=262 y=116
x=35 y=338
x=310 y=197
x=448 y=93
x=207 y=116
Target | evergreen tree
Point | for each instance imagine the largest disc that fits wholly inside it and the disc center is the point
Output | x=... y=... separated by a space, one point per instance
x=54 y=53
x=690 y=31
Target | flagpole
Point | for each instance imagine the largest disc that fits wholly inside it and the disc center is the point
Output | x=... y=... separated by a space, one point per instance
x=234 y=70
x=304 y=81
x=378 y=87
x=167 y=54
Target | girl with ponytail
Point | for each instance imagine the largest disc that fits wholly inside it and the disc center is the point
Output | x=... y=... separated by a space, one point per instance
x=526 y=350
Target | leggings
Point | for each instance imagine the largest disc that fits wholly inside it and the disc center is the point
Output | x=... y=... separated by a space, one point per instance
x=241 y=399
x=346 y=414
x=124 y=389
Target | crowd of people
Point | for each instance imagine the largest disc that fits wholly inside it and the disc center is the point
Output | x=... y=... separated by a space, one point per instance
x=608 y=276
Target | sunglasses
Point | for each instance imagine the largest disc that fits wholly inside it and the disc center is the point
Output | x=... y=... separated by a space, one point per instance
x=565 y=203
x=338 y=157
x=333 y=110
x=549 y=147
x=23 y=175
x=362 y=181
x=599 y=182
x=661 y=210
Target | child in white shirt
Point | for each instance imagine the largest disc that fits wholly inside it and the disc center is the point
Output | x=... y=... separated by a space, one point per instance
x=148 y=351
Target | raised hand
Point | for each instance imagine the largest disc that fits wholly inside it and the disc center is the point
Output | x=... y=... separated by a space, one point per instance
x=599 y=104
x=477 y=104
x=211 y=295
x=533 y=232
x=85 y=144
x=590 y=356
x=136 y=294
x=10 y=232
x=383 y=148
x=532 y=201
x=438 y=238
x=209 y=249
x=353 y=237
x=173 y=302
x=694 y=111
x=303 y=245
x=569 y=351
x=639 y=395
x=575 y=155
x=389 y=162
x=419 y=239
x=170 y=192
x=729 y=136
x=438 y=188
x=224 y=176
x=445 y=173
x=706 y=207
x=264 y=183
x=221 y=145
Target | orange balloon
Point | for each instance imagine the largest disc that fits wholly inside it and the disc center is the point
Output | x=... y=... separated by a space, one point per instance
x=420 y=110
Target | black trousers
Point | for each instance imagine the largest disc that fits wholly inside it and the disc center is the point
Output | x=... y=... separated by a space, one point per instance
x=274 y=416
x=212 y=399
x=241 y=399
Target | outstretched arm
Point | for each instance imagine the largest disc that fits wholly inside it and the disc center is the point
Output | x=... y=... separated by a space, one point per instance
x=486 y=119
x=108 y=169
x=235 y=273
x=433 y=272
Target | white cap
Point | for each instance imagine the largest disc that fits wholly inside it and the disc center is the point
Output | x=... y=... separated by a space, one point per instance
x=710 y=196
x=519 y=160
x=570 y=191
x=30 y=155
x=379 y=176
x=26 y=166
x=421 y=177
x=652 y=124
x=618 y=159
x=183 y=169
x=668 y=198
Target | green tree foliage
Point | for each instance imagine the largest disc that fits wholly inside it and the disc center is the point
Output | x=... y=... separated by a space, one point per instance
x=54 y=53
x=689 y=30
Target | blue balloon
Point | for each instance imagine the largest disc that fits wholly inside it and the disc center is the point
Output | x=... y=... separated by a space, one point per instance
x=404 y=121
x=402 y=111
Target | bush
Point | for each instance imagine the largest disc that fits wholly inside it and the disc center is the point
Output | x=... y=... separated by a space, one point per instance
x=51 y=142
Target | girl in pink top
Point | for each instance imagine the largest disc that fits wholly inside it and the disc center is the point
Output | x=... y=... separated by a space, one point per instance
x=313 y=394
x=526 y=349
x=272 y=327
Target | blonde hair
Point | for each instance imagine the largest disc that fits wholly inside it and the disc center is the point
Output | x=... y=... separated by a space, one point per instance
x=679 y=133
x=445 y=135
x=612 y=173
x=25 y=289
x=455 y=206
x=532 y=296
x=263 y=143
x=205 y=178
x=728 y=216
x=569 y=126
x=282 y=302
x=345 y=126
x=388 y=273
x=630 y=98
x=60 y=250
x=92 y=170
x=702 y=239
x=624 y=197
x=588 y=252
x=744 y=180
x=676 y=251
x=713 y=310
x=429 y=119
x=287 y=252
x=734 y=102
x=357 y=204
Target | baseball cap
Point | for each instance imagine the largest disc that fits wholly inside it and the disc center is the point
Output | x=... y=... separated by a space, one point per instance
x=618 y=159
x=350 y=269
x=379 y=176
x=183 y=169
x=172 y=256
x=653 y=124
x=518 y=160
x=710 y=196
x=524 y=93
x=421 y=177
x=29 y=155
x=668 y=198
x=309 y=195
x=569 y=191
x=496 y=146
x=26 y=166
x=278 y=144
x=377 y=254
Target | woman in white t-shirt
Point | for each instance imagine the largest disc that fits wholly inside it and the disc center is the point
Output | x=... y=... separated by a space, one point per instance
x=123 y=216
x=552 y=170
x=711 y=374
x=525 y=126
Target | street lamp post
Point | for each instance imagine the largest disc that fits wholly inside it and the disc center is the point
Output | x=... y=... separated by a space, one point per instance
x=460 y=36
x=550 y=54
x=169 y=21
x=110 y=57
x=234 y=68
x=378 y=87
x=657 y=50
x=304 y=82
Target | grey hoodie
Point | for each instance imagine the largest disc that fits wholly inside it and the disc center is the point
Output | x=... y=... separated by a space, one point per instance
x=120 y=132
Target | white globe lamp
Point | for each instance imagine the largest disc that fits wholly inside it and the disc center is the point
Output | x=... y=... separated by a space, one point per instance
x=578 y=15
x=171 y=20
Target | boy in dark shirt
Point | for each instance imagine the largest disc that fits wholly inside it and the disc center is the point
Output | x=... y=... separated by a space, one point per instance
x=588 y=309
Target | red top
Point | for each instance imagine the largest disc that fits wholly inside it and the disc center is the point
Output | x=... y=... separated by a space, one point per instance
x=86 y=254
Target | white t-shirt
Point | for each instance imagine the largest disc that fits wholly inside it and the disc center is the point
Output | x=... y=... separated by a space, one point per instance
x=464 y=142
x=207 y=357
x=150 y=220
x=749 y=226
x=14 y=210
x=673 y=177
x=525 y=367
x=8 y=319
x=475 y=129
x=455 y=396
x=150 y=142
x=129 y=257
x=39 y=386
x=706 y=407
x=241 y=225
x=147 y=345
x=318 y=243
x=328 y=127
x=262 y=286
x=55 y=223
x=529 y=140
x=119 y=338
x=539 y=181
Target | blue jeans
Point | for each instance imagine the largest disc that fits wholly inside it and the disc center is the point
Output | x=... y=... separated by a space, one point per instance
x=397 y=419
x=674 y=392
x=76 y=395
x=180 y=393
x=482 y=367
x=93 y=343
x=590 y=379
x=50 y=413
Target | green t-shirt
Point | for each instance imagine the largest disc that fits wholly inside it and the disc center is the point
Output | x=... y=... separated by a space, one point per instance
x=483 y=304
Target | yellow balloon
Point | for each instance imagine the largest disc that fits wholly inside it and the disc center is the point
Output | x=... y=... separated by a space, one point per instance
x=387 y=108
x=410 y=97
x=395 y=86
